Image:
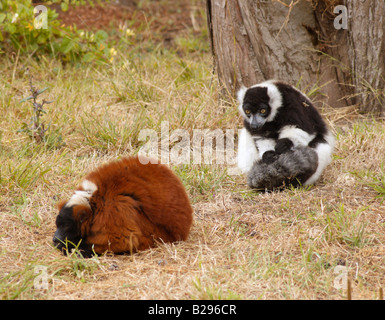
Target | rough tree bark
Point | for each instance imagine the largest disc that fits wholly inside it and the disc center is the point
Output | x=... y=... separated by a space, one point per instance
x=359 y=51
x=296 y=41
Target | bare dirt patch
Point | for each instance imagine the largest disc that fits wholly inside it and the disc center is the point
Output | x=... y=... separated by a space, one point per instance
x=157 y=18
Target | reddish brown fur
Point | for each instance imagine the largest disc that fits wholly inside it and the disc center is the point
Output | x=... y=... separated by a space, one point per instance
x=134 y=206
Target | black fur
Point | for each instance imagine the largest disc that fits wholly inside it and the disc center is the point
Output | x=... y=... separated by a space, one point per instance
x=67 y=235
x=283 y=145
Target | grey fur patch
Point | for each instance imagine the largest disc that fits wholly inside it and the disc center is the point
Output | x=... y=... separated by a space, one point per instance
x=291 y=168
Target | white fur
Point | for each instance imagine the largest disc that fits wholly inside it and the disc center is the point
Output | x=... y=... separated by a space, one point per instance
x=89 y=186
x=264 y=145
x=324 y=152
x=82 y=197
x=296 y=135
x=240 y=95
x=247 y=151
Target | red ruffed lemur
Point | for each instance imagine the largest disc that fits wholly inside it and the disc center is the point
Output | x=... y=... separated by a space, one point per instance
x=124 y=207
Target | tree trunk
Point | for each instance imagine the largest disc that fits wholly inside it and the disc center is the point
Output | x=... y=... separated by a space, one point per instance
x=359 y=51
x=299 y=43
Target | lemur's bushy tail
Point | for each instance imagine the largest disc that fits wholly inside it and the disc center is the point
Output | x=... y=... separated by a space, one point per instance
x=290 y=168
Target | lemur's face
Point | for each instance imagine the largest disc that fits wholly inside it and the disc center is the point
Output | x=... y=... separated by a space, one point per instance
x=68 y=231
x=71 y=222
x=256 y=107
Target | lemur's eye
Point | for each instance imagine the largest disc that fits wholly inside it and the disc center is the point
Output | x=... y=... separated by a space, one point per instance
x=263 y=111
x=247 y=111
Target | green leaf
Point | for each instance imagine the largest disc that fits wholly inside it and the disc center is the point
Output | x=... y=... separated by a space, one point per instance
x=2 y=17
x=66 y=45
x=64 y=6
x=11 y=28
x=42 y=90
x=101 y=36
x=88 y=57
x=26 y=99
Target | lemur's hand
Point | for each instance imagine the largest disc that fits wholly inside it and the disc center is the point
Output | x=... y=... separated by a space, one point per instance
x=269 y=157
x=283 y=145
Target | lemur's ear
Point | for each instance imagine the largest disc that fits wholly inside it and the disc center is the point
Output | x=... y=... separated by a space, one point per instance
x=241 y=93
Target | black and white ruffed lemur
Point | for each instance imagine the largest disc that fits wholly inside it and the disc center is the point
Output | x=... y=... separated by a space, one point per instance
x=284 y=139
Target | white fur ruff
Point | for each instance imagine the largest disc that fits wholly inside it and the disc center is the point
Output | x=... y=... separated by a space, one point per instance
x=324 y=152
x=82 y=197
x=247 y=151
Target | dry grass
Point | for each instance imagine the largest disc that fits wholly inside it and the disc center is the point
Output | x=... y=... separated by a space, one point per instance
x=243 y=245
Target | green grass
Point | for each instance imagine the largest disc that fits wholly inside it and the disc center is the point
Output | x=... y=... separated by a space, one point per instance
x=213 y=293
x=202 y=181
x=375 y=179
